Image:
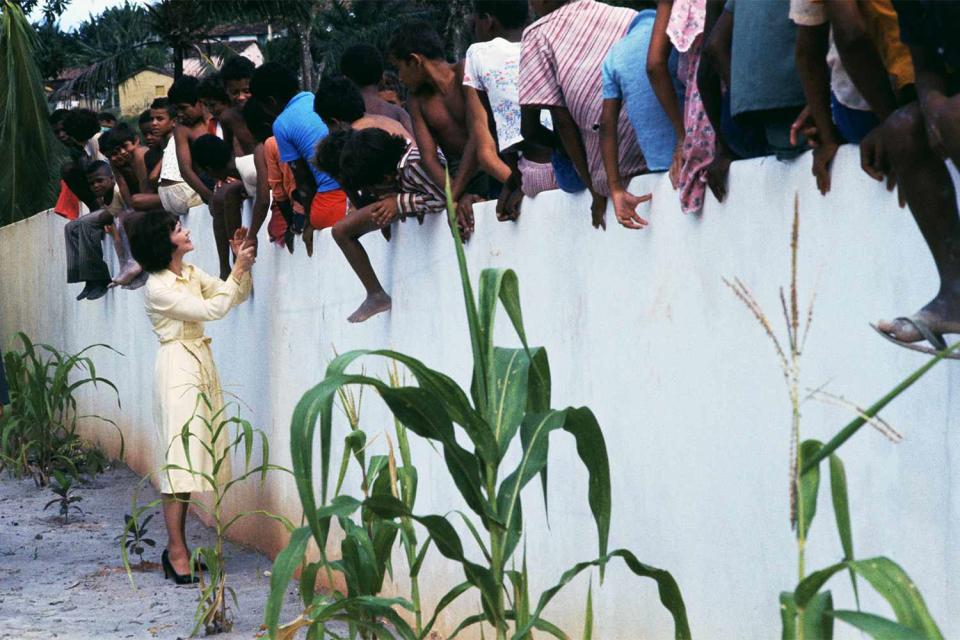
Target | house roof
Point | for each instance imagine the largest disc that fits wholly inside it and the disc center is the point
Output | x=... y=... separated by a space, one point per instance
x=149 y=68
x=251 y=29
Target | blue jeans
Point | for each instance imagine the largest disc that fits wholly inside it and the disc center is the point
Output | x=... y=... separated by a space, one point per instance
x=566 y=173
x=760 y=133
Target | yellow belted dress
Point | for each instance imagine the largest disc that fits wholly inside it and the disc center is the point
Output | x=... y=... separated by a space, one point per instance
x=186 y=374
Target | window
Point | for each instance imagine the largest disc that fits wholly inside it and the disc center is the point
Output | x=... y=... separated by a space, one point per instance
x=160 y=91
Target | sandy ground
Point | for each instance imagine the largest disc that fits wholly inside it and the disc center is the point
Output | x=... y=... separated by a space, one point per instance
x=67 y=581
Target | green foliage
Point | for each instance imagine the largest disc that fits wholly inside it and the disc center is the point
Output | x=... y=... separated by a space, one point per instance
x=63 y=489
x=215 y=437
x=808 y=613
x=509 y=405
x=26 y=184
x=39 y=434
x=136 y=530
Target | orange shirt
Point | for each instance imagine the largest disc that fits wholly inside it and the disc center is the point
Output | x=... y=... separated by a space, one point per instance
x=279 y=175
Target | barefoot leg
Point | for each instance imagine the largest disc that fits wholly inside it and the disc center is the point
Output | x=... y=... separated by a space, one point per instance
x=347 y=232
x=220 y=232
x=926 y=185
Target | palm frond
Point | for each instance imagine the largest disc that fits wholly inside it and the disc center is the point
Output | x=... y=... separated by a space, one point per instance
x=26 y=184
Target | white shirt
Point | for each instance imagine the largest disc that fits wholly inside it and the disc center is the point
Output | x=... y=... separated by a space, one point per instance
x=494 y=67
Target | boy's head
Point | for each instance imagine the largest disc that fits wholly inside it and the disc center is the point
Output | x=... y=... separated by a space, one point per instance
x=107 y=120
x=145 y=124
x=411 y=47
x=236 y=74
x=56 y=123
x=329 y=152
x=391 y=89
x=369 y=160
x=492 y=17
x=212 y=95
x=338 y=101
x=212 y=155
x=258 y=121
x=163 y=118
x=274 y=86
x=99 y=177
x=80 y=125
x=118 y=144
x=184 y=94
x=363 y=64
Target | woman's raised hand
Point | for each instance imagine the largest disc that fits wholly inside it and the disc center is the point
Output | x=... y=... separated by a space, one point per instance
x=245 y=259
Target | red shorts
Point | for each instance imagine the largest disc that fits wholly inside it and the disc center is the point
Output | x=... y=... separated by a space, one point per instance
x=328 y=208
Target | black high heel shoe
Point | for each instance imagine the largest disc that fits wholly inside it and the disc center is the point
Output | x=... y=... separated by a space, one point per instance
x=170 y=572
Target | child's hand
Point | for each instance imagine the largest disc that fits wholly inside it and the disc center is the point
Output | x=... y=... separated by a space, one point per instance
x=385 y=210
x=238 y=240
x=625 y=208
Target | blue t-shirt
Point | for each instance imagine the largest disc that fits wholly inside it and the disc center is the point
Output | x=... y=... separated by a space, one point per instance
x=625 y=78
x=298 y=130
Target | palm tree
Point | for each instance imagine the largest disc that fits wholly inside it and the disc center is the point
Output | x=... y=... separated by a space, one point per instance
x=27 y=172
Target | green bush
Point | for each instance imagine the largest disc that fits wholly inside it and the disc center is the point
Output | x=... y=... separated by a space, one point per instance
x=39 y=434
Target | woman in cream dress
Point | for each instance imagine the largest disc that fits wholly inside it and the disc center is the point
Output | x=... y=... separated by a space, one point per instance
x=179 y=299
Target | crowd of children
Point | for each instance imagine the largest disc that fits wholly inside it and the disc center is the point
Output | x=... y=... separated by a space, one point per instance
x=581 y=96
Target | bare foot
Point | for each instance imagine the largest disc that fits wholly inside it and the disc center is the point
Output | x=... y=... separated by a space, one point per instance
x=374 y=304
x=942 y=315
x=127 y=274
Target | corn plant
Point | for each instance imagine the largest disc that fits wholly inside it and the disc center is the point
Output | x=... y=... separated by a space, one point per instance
x=66 y=499
x=509 y=401
x=807 y=613
x=366 y=548
x=39 y=433
x=212 y=613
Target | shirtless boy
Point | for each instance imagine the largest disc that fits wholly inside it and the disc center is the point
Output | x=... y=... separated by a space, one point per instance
x=180 y=187
x=437 y=107
x=363 y=65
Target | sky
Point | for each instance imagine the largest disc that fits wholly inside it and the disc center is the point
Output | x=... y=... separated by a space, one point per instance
x=79 y=10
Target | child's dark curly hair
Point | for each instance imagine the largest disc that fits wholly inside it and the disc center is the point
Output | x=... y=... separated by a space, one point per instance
x=370 y=155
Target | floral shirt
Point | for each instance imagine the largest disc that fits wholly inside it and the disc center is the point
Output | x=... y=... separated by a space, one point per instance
x=494 y=67
x=686 y=22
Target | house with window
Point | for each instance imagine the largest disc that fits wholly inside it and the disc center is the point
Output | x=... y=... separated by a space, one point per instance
x=139 y=89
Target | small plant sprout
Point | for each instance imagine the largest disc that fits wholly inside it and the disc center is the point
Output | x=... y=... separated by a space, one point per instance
x=137 y=534
x=67 y=500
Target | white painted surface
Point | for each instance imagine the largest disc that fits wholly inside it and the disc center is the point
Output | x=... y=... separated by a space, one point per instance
x=639 y=327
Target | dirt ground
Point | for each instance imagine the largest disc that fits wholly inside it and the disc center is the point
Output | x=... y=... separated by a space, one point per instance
x=67 y=581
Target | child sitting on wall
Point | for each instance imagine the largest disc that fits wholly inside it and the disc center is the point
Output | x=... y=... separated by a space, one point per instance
x=181 y=188
x=157 y=128
x=84 y=235
x=387 y=169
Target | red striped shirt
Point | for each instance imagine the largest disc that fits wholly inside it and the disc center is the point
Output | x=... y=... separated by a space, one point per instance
x=560 y=60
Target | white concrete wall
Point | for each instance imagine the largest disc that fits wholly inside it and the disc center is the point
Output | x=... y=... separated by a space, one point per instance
x=640 y=328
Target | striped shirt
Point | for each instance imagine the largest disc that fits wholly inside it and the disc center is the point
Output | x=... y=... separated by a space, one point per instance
x=560 y=60
x=418 y=193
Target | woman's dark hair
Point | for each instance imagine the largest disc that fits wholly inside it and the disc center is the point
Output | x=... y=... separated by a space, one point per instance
x=149 y=234
x=512 y=14
x=273 y=80
x=236 y=68
x=211 y=88
x=81 y=124
x=184 y=90
x=337 y=97
x=114 y=138
x=259 y=122
x=368 y=156
x=329 y=151
x=210 y=152
x=416 y=37
x=363 y=64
